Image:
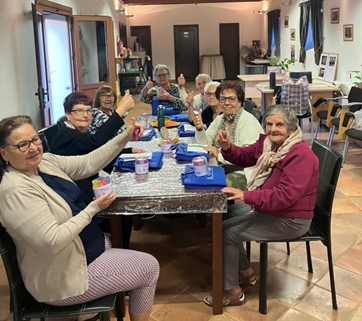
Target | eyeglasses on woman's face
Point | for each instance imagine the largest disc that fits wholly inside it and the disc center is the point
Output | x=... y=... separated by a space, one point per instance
x=81 y=111
x=106 y=96
x=230 y=99
x=24 y=145
x=162 y=75
x=210 y=94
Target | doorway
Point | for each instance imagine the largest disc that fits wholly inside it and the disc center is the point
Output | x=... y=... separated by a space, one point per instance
x=143 y=34
x=230 y=49
x=53 y=48
x=187 y=58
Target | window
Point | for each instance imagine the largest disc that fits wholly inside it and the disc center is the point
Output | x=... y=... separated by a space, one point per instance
x=310 y=42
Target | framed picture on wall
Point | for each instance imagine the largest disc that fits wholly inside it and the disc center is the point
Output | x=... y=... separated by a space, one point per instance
x=286 y=22
x=348 y=32
x=292 y=34
x=335 y=15
x=328 y=66
x=292 y=53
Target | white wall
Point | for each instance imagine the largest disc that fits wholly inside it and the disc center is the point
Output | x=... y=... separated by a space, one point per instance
x=349 y=52
x=18 y=77
x=207 y=16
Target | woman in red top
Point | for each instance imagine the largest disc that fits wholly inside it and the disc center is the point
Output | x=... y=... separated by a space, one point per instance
x=280 y=199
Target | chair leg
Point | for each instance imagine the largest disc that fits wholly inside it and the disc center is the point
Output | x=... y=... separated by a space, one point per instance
x=330 y=136
x=309 y=257
x=104 y=316
x=288 y=248
x=119 y=307
x=248 y=249
x=263 y=273
x=331 y=277
x=345 y=148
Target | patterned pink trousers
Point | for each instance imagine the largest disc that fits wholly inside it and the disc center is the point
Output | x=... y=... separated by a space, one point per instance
x=118 y=270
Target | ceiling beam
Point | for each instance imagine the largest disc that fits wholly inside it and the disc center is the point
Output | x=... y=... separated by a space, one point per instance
x=157 y=2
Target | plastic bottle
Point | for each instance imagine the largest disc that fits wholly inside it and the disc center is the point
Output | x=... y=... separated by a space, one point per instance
x=160 y=117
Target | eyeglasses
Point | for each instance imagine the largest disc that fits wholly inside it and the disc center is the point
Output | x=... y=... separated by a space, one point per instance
x=25 y=145
x=207 y=94
x=231 y=99
x=162 y=75
x=106 y=96
x=81 y=111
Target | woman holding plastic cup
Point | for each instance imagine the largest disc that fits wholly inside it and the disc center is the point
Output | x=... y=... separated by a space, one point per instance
x=63 y=255
x=164 y=89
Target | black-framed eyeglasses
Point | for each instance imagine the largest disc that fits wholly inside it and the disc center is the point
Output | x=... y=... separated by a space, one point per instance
x=81 y=111
x=207 y=94
x=162 y=75
x=25 y=144
x=231 y=99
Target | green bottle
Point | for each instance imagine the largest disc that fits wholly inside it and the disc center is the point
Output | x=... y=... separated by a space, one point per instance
x=160 y=117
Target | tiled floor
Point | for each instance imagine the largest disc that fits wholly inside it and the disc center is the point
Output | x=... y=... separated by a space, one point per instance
x=184 y=252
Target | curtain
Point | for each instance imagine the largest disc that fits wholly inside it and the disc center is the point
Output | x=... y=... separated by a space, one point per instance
x=274 y=28
x=316 y=7
x=303 y=28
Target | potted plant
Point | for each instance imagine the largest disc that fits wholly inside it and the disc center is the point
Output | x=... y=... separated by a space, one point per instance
x=279 y=65
x=358 y=77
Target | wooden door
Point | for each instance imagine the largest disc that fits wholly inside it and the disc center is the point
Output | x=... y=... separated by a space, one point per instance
x=230 y=48
x=94 y=51
x=186 y=43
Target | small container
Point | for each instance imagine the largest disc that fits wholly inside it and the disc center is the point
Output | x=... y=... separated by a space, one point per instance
x=102 y=185
x=200 y=165
x=141 y=165
x=166 y=144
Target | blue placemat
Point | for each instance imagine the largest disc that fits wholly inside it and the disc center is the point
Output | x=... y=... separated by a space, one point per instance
x=183 y=155
x=185 y=133
x=128 y=165
x=215 y=180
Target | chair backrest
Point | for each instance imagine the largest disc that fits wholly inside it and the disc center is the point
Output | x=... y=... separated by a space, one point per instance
x=355 y=96
x=252 y=108
x=298 y=74
x=295 y=94
x=18 y=293
x=330 y=163
x=48 y=133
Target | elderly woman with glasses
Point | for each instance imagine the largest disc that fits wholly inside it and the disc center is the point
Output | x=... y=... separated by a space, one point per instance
x=74 y=138
x=213 y=108
x=164 y=89
x=64 y=258
x=104 y=107
x=279 y=202
x=243 y=128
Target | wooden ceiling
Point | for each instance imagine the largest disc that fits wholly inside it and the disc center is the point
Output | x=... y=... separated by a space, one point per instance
x=154 y=2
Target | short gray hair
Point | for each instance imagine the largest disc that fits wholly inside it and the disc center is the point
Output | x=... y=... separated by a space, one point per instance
x=158 y=67
x=290 y=117
x=211 y=84
x=208 y=78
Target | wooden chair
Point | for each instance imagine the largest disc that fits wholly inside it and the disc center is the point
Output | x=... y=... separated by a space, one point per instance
x=25 y=307
x=330 y=163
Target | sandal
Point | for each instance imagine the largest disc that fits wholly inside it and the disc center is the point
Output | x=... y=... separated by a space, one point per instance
x=228 y=300
x=247 y=280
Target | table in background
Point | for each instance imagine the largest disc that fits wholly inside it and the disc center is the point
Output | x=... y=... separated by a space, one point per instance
x=248 y=83
x=321 y=87
x=162 y=192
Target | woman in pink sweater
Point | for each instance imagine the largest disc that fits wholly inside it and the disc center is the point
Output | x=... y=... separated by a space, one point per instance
x=280 y=199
